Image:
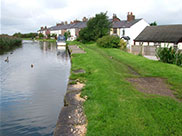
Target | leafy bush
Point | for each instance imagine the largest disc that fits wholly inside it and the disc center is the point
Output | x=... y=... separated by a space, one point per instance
x=78 y=39
x=41 y=35
x=169 y=55
x=97 y=27
x=54 y=36
x=67 y=34
x=8 y=43
x=49 y=36
x=122 y=44
x=109 y=41
x=179 y=58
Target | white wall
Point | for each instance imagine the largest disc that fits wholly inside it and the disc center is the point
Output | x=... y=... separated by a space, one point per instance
x=162 y=44
x=57 y=32
x=73 y=34
x=43 y=32
x=134 y=30
x=180 y=46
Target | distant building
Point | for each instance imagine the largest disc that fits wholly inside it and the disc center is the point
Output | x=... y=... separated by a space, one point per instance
x=74 y=28
x=126 y=29
x=44 y=30
x=163 y=35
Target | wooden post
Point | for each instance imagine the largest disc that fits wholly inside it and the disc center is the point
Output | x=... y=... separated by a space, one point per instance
x=141 y=49
x=176 y=47
x=130 y=48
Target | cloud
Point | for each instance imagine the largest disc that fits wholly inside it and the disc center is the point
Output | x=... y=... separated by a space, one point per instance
x=29 y=15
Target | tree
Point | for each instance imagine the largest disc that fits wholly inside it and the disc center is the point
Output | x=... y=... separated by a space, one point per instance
x=41 y=35
x=18 y=35
x=49 y=36
x=153 y=24
x=54 y=35
x=27 y=35
x=97 y=27
x=67 y=35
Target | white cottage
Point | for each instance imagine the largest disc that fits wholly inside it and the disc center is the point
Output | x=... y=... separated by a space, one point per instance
x=128 y=29
x=43 y=30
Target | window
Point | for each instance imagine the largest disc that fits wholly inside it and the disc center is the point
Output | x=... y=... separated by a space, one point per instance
x=114 y=30
x=123 y=32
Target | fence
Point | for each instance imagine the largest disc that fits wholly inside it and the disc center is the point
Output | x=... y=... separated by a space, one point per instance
x=145 y=50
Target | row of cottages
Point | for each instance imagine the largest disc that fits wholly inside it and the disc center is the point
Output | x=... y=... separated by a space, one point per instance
x=127 y=29
x=74 y=28
x=163 y=35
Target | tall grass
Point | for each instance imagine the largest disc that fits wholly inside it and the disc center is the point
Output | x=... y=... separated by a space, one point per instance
x=169 y=55
x=8 y=43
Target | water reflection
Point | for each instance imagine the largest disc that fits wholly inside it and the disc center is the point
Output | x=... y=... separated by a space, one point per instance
x=51 y=47
x=31 y=98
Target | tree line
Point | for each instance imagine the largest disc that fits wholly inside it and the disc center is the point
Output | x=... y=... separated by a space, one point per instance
x=27 y=35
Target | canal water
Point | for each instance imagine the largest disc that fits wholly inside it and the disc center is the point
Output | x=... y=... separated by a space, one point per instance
x=31 y=97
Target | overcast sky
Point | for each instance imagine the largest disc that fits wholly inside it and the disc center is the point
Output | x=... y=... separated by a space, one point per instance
x=29 y=15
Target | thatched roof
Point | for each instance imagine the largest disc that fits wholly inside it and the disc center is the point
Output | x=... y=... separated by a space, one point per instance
x=163 y=33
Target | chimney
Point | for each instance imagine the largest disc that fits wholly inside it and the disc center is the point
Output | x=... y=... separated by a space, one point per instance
x=62 y=23
x=115 y=18
x=58 y=24
x=42 y=28
x=65 y=22
x=46 y=27
x=130 y=17
x=76 y=21
x=84 y=19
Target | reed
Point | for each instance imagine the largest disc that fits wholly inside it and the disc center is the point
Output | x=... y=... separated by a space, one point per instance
x=8 y=43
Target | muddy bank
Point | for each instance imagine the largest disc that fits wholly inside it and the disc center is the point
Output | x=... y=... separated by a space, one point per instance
x=152 y=85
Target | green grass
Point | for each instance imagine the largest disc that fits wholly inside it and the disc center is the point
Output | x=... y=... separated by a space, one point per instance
x=43 y=40
x=114 y=107
x=26 y=38
x=47 y=40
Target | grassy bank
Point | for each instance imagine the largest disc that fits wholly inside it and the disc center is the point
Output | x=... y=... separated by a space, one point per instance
x=8 y=43
x=47 y=40
x=114 y=107
x=43 y=40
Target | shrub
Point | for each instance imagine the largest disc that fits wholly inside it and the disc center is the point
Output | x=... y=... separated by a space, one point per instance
x=41 y=35
x=54 y=36
x=78 y=39
x=179 y=58
x=122 y=44
x=49 y=36
x=109 y=41
x=169 y=55
x=67 y=35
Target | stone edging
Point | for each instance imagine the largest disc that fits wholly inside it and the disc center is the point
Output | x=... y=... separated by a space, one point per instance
x=72 y=120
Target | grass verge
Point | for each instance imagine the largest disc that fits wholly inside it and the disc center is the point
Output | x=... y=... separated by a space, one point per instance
x=114 y=107
x=47 y=40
